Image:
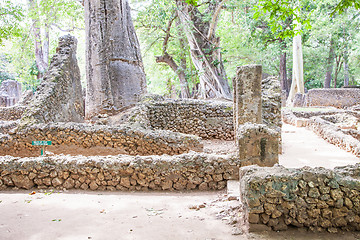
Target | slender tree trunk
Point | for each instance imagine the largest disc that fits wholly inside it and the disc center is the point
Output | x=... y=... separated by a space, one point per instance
x=297 y=85
x=41 y=64
x=184 y=81
x=346 y=68
x=283 y=74
x=114 y=71
x=329 y=65
x=205 y=49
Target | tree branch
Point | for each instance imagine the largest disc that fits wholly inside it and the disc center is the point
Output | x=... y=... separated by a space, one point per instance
x=214 y=19
x=67 y=30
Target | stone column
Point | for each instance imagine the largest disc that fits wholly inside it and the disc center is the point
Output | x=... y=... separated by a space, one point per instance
x=247 y=95
x=256 y=142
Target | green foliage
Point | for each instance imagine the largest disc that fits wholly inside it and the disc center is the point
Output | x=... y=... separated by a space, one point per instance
x=10 y=16
x=277 y=12
x=345 y=4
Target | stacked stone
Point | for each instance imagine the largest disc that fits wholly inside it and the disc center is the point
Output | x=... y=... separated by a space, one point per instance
x=122 y=172
x=257 y=143
x=11 y=113
x=59 y=96
x=127 y=138
x=318 y=199
x=206 y=119
x=271 y=102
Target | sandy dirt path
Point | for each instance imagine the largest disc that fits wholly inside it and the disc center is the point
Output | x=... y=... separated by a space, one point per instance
x=302 y=147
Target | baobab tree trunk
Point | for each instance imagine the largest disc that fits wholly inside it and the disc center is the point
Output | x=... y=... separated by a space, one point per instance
x=205 y=48
x=114 y=71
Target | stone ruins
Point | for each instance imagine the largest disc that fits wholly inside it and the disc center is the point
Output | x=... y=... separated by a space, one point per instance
x=161 y=144
x=10 y=93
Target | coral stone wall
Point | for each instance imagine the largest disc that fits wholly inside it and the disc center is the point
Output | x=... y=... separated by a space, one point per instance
x=207 y=119
x=318 y=199
x=78 y=138
x=182 y=172
x=339 y=98
x=11 y=113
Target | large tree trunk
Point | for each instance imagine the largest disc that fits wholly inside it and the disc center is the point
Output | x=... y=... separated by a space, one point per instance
x=329 y=65
x=114 y=71
x=42 y=62
x=205 y=48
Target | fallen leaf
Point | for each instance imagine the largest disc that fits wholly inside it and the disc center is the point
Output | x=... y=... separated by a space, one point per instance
x=56 y=220
x=102 y=211
x=32 y=193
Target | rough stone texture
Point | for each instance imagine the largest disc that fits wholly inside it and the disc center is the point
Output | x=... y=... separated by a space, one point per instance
x=59 y=96
x=10 y=93
x=7 y=126
x=271 y=102
x=86 y=139
x=247 y=95
x=11 y=113
x=299 y=100
x=318 y=199
x=207 y=119
x=26 y=98
x=122 y=172
x=114 y=71
x=258 y=144
x=339 y=97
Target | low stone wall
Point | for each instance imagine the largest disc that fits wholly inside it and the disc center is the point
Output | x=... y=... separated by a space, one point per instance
x=128 y=173
x=318 y=199
x=7 y=126
x=339 y=97
x=79 y=138
x=333 y=134
x=208 y=119
x=11 y=113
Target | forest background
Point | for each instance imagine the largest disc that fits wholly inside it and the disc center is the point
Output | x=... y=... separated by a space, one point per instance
x=246 y=32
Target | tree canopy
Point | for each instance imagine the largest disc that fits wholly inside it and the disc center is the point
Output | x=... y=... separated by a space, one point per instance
x=191 y=48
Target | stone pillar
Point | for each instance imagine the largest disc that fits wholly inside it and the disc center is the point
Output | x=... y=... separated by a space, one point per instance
x=10 y=93
x=247 y=95
x=256 y=142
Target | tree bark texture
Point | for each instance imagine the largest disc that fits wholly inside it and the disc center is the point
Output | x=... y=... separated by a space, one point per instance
x=114 y=71
x=329 y=65
x=205 y=48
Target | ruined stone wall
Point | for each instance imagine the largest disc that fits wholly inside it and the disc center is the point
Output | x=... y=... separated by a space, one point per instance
x=339 y=98
x=318 y=199
x=78 y=138
x=127 y=173
x=204 y=118
x=10 y=93
x=59 y=96
x=11 y=113
x=207 y=119
x=333 y=134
